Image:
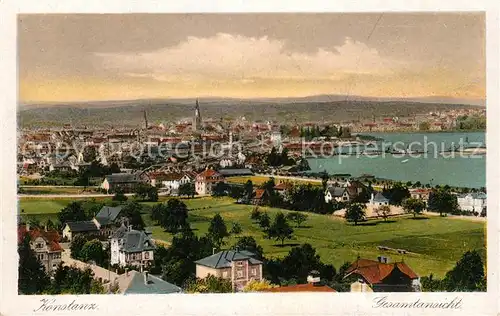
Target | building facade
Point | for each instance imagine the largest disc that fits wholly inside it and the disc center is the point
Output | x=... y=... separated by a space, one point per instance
x=131 y=248
x=240 y=267
x=206 y=181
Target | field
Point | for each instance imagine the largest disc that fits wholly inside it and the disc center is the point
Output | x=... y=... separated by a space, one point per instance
x=435 y=243
x=258 y=180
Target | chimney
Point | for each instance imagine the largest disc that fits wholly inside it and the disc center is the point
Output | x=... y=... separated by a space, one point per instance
x=213 y=251
x=314 y=278
x=28 y=227
x=237 y=249
x=45 y=227
x=129 y=227
x=126 y=271
x=146 y=277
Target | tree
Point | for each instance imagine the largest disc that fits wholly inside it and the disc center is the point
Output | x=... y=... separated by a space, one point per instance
x=174 y=216
x=76 y=246
x=220 y=189
x=236 y=229
x=355 y=212
x=146 y=192
x=442 y=201
x=324 y=179
x=280 y=229
x=132 y=211
x=397 y=193
x=120 y=196
x=92 y=250
x=383 y=211
x=176 y=263
x=430 y=284
x=32 y=277
x=210 y=284
x=255 y=215
x=300 y=261
x=72 y=280
x=248 y=189
x=72 y=213
x=217 y=230
x=257 y=286
x=264 y=221
x=248 y=243
x=467 y=275
x=297 y=217
x=187 y=189
x=413 y=206
x=157 y=212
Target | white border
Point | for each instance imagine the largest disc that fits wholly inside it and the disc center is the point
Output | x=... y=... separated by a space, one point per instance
x=241 y=304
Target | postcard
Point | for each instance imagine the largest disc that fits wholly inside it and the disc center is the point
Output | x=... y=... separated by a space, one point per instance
x=240 y=163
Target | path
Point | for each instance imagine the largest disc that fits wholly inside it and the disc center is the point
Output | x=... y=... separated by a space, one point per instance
x=99 y=272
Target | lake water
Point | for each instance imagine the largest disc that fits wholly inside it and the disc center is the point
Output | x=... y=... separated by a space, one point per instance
x=433 y=168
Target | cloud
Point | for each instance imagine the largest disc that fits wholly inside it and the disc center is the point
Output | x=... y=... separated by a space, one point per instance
x=235 y=57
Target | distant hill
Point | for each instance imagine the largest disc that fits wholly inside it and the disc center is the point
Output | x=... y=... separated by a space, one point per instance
x=220 y=100
x=130 y=113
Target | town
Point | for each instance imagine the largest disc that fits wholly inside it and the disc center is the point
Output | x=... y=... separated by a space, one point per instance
x=217 y=205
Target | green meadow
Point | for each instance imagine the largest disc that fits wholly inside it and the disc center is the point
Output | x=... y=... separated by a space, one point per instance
x=433 y=244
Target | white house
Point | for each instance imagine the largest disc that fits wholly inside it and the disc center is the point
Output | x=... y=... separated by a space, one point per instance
x=131 y=247
x=338 y=194
x=378 y=200
x=173 y=181
x=472 y=202
x=226 y=162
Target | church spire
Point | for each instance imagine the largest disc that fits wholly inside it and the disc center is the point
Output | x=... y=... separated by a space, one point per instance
x=197 y=117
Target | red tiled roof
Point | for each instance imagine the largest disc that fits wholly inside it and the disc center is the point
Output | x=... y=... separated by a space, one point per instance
x=375 y=272
x=259 y=193
x=283 y=186
x=52 y=237
x=300 y=288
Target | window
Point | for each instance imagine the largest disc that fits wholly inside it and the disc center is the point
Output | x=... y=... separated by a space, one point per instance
x=225 y=274
x=146 y=255
x=39 y=245
x=239 y=274
x=253 y=271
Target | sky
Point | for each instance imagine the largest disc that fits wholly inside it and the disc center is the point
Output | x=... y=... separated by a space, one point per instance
x=77 y=57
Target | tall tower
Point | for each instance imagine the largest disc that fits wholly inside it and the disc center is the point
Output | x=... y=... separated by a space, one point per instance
x=197 y=117
x=145 y=119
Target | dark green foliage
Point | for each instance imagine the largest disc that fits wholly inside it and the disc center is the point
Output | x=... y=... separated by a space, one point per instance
x=248 y=243
x=120 y=197
x=442 y=201
x=92 y=250
x=32 y=277
x=264 y=221
x=297 y=217
x=280 y=229
x=72 y=213
x=468 y=274
x=413 y=206
x=132 y=211
x=71 y=280
x=76 y=246
x=217 y=230
x=187 y=189
x=176 y=263
x=146 y=192
x=297 y=265
x=355 y=212
x=255 y=215
x=236 y=229
x=173 y=216
x=397 y=193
